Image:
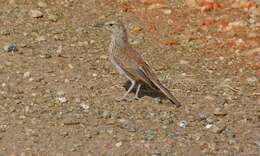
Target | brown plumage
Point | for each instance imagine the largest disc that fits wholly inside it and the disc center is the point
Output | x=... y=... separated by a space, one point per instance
x=130 y=63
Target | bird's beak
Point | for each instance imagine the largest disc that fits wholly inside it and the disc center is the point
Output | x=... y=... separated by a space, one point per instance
x=99 y=24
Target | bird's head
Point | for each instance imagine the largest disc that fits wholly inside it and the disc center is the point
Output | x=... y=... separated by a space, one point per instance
x=117 y=29
x=114 y=26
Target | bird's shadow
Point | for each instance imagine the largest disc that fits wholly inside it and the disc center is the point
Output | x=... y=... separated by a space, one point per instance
x=145 y=90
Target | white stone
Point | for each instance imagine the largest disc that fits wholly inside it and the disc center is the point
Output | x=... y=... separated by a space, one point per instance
x=62 y=99
x=119 y=144
x=27 y=74
x=208 y=126
x=36 y=13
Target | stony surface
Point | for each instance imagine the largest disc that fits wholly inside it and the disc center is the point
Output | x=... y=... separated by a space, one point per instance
x=58 y=91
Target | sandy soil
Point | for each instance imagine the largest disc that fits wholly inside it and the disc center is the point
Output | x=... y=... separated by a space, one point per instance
x=58 y=89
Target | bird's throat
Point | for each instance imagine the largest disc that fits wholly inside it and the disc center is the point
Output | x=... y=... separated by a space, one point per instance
x=119 y=39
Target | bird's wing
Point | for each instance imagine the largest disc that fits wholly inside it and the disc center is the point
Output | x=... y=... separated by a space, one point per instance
x=145 y=73
x=132 y=70
x=137 y=63
x=130 y=63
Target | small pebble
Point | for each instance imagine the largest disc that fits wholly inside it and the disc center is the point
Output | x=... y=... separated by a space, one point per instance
x=251 y=21
x=3 y=84
x=12 y=2
x=82 y=44
x=36 y=13
x=23 y=45
x=232 y=141
x=42 y=4
x=183 y=74
x=53 y=18
x=84 y=106
x=229 y=133
x=59 y=50
x=10 y=47
x=29 y=132
x=220 y=112
x=5 y=32
x=119 y=144
x=251 y=81
x=202 y=116
x=208 y=126
x=41 y=38
x=210 y=98
x=62 y=99
x=26 y=74
x=167 y=11
x=218 y=128
x=157 y=153
x=70 y=66
x=221 y=58
x=106 y=114
x=45 y=55
x=183 y=124
x=209 y=120
x=31 y=79
x=92 y=41
x=103 y=57
x=184 y=62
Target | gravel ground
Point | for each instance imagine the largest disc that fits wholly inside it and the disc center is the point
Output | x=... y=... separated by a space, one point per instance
x=58 y=89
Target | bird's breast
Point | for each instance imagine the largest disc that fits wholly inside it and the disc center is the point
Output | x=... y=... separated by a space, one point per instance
x=112 y=58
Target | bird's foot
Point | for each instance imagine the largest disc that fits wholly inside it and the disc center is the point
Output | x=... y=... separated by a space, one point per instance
x=136 y=98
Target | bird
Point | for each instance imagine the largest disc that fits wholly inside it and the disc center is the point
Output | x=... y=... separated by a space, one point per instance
x=130 y=63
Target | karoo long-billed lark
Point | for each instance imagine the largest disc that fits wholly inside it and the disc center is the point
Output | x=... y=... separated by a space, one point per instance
x=130 y=64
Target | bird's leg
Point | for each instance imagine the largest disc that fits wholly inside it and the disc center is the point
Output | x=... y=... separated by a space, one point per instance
x=137 y=92
x=128 y=91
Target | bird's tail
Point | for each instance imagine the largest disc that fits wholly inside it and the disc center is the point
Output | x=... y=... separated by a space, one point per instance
x=150 y=78
x=167 y=93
